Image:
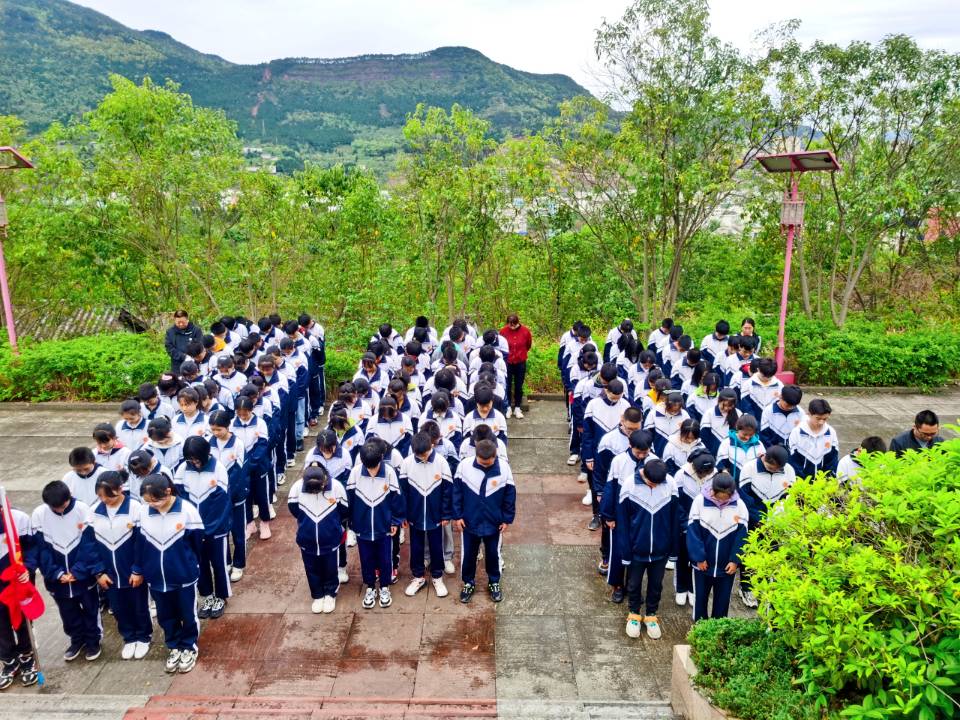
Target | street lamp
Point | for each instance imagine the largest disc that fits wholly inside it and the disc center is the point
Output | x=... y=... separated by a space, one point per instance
x=10 y=159
x=791 y=220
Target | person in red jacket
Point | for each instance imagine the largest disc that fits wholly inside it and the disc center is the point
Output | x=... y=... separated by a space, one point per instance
x=519 y=341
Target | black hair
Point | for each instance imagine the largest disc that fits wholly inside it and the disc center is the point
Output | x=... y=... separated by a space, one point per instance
x=647 y=356
x=710 y=379
x=791 y=394
x=275 y=319
x=584 y=331
x=112 y=481
x=690 y=427
x=396 y=386
x=422 y=321
x=746 y=422
x=676 y=332
x=371 y=454
x=81 y=456
x=722 y=327
x=316 y=480
x=388 y=403
x=778 y=454
x=489 y=337
x=655 y=471
x=483 y=432
x=486 y=449
x=615 y=386
x=196 y=448
x=55 y=494
x=873 y=444
x=432 y=429
x=327 y=440
x=265 y=325
x=767 y=367
x=291 y=327
x=104 y=432
x=243 y=402
x=155 y=487
x=140 y=461
x=924 y=417
x=608 y=371
x=440 y=402
x=221 y=418
x=693 y=356
x=640 y=440
x=421 y=443
x=385 y=330
x=218 y=328
x=748 y=342
x=723 y=483
x=193 y=348
x=483 y=395
x=146 y=391
x=190 y=395
x=685 y=342
x=589 y=359
x=633 y=414
x=361 y=386
x=209 y=342
x=225 y=360
x=189 y=367
x=749 y=321
x=413 y=348
x=446 y=379
x=700 y=369
x=304 y=319
x=666 y=323
x=819 y=406
x=732 y=415
x=287 y=344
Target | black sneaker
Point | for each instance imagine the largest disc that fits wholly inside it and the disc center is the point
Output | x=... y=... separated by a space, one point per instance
x=73 y=652
x=206 y=605
x=92 y=653
x=216 y=608
x=8 y=671
x=467 y=592
x=617 y=595
x=594 y=523
x=496 y=594
x=29 y=673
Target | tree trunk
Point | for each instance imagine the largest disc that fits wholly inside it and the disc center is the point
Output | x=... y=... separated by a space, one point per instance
x=804 y=281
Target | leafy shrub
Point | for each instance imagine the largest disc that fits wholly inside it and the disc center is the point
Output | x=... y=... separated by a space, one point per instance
x=747 y=670
x=99 y=367
x=861 y=581
x=542 y=375
x=341 y=365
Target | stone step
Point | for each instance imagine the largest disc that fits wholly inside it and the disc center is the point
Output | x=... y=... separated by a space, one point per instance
x=584 y=710
x=56 y=706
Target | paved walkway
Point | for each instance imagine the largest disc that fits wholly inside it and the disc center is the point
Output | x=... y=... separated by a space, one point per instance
x=554 y=647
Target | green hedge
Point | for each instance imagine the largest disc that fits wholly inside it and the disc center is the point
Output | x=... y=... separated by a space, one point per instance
x=747 y=670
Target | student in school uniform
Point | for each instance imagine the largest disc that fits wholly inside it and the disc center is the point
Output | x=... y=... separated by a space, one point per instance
x=288 y=372
x=717 y=424
x=656 y=398
x=763 y=483
x=376 y=513
x=427 y=487
x=682 y=373
x=296 y=359
x=484 y=505
x=16 y=651
x=114 y=521
x=648 y=512
x=153 y=403
x=690 y=480
x=229 y=379
x=637 y=374
x=675 y=353
x=659 y=339
x=82 y=478
x=65 y=553
x=780 y=417
x=399 y=388
x=202 y=480
x=611 y=444
x=131 y=428
x=611 y=349
x=601 y=415
x=449 y=423
x=741 y=447
x=587 y=387
x=682 y=445
x=108 y=452
x=349 y=434
x=167 y=555
x=330 y=454
x=716 y=530
x=484 y=413
x=140 y=464
x=664 y=423
x=700 y=395
x=748 y=329
x=253 y=434
x=813 y=443
x=275 y=385
x=164 y=443
x=848 y=467
x=713 y=347
x=314 y=336
x=761 y=389
x=319 y=504
x=367 y=399
x=191 y=420
x=230 y=452
x=739 y=365
x=392 y=426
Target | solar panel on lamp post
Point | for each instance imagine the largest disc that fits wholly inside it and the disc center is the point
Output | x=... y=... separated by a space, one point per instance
x=791 y=220
x=10 y=159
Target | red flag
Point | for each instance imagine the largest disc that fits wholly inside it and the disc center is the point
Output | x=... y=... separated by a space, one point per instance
x=21 y=598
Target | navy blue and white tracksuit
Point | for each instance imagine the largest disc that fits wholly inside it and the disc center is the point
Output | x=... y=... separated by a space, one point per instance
x=232 y=455
x=376 y=504
x=689 y=486
x=715 y=534
x=116 y=530
x=208 y=488
x=648 y=525
x=14 y=642
x=64 y=543
x=494 y=420
x=427 y=488
x=167 y=554
x=611 y=444
x=759 y=490
x=396 y=432
x=257 y=464
x=484 y=498
x=733 y=454
x=84 y=487
x=776 y=424
x=584 y=390
x=132 y=436
x=662 y=427
x=756 y=395
x=600 y=416
x=811 y=452
x=321 y=518
x=622 y=469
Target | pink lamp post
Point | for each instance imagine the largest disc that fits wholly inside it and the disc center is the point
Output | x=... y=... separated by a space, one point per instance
x=791 y=220
x=10 y=159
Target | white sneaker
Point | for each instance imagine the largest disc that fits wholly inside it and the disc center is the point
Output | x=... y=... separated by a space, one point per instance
x=342 y=576
x=509 y=413
x=256 y=512
x=633 y=626
x=748 y=598
x=691 y=599
x=188 y=659
x=681 y=598
x=518 y=414
x=440 y=588
x=572 y=460
x=141 y=650
x=587 y=499
x=448 y=567
x=351 y=538
x=290 y=463
x=273 y=512
x=128 y=650
x=329 y=604
x=265 y=533
x=582 y=477
x=671 y=565
x=653 y=627
x=414 y=587
x=173 y=661
x=235 y=574
x=385 y=599
x=316 y=607
x=320 y=412
x=369 y=598
x=306 y=432
x=281 y=478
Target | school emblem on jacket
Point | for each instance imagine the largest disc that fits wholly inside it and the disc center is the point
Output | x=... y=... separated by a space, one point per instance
x=79 y=526
x=213 y=482
x=179 y=526
x=493 y=483
x=386 y=487
x=736 y=518
x=129 y=526
x=437 y=476
x=827 y=445
x=332 y=501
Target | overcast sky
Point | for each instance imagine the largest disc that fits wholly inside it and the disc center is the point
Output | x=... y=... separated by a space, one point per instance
x=545 y=36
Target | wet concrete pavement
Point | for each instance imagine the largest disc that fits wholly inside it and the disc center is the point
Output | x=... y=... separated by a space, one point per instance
x=555 y=646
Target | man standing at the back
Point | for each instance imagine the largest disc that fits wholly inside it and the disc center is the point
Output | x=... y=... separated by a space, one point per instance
x=178 y=335
x=924 y=434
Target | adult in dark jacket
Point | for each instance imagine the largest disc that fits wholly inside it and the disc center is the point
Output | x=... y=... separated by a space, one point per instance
x=178 y=335
x=924 y=434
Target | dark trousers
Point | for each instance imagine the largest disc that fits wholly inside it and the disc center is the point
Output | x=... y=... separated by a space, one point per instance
x=682 y=579
x=395 y=550
x=259 y=495
x=177 y=617
x=654 y=571
x=321 y=573
x=238 y=532
x=290 y=418
x=470 y=548
x=432 y=539
x=81 y=616
x=374 y=558
x=131 y=609
x=574 y=439
x=214 y=579
x=616 y=570
x=516 y=372
x=12 y=642
x=721 y=586
x=315 y=393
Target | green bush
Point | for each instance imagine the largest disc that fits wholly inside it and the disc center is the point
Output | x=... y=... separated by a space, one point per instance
x=99 y=367
x=861 y=581
x=747 y=670
x=542 y=374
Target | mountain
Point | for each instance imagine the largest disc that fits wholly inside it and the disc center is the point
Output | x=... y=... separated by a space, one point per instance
x=55 y=58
